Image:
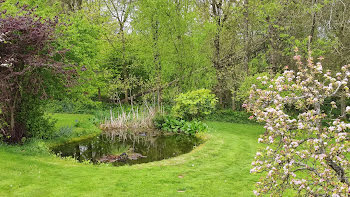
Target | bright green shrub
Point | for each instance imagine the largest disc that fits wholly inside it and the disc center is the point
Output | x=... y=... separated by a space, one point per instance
x=34 y=120
x=194 y=105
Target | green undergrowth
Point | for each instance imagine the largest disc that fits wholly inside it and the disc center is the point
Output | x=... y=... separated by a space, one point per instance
x=219 y=167
x=75 y=127
x=70 y=127
x=171 y=124
x=228 y=115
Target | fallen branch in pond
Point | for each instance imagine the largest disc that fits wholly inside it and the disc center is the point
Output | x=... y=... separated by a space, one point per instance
x=121 y=158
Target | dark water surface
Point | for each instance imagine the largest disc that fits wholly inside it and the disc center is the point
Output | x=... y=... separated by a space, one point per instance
x=154 y=148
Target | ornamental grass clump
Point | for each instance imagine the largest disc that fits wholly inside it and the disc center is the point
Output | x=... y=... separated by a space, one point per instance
x=306 y=152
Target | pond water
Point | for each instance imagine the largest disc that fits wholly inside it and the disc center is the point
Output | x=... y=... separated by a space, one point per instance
x=127 y=149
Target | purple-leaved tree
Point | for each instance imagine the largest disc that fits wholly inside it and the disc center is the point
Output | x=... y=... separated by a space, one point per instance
x=307 y=152
x=27 y=67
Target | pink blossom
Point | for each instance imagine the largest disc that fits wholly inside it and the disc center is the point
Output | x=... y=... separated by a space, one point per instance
x=296 y=143
x=256 y=193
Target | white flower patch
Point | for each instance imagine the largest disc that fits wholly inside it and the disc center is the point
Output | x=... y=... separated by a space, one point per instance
x=319 y=67
x=347 y=109
x=308 y=89
x=2 y=37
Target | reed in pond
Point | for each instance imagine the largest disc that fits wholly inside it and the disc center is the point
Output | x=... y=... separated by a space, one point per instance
x=139 y=118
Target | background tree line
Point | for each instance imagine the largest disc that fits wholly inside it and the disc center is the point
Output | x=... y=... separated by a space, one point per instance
x=141 y=45
x=133 y=50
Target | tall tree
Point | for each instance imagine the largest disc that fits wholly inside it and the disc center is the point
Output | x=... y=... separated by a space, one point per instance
x=173 y=40
x=218 y=13
x=28 y=69
x=121 y=11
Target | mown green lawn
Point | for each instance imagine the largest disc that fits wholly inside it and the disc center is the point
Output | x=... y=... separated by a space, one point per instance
x=220 y=167
x=71 y=119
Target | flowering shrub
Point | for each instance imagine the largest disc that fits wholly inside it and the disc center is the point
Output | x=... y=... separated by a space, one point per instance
x=243 y=91
x=309 y=152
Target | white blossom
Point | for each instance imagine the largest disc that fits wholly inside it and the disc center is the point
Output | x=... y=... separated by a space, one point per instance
x=309 y=138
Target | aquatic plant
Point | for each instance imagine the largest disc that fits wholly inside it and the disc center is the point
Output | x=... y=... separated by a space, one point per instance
x=138 y=119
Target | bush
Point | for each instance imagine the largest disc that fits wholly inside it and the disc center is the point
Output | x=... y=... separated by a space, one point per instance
x=72 y=106
x=40 y=127
x=33 y=118
x=194 y=105
x=175 y=125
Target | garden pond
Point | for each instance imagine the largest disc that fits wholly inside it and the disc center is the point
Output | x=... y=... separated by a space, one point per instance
x=127 y=148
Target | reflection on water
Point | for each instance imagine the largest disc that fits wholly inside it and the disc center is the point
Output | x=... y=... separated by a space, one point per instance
x=127 y=148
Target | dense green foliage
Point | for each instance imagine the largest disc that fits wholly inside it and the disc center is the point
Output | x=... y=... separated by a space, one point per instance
x=125 y=55
x=176 y=125
x=38 y=125
x=69 y=126
x=228 y=115
x=194 y=104
x=76 y=106
x=132 y=51
x=32 y=70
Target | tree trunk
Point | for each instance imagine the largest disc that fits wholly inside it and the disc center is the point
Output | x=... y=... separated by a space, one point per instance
x=246 y=37
x=12 y=121
x=217 y=16
x=234 y=100
x=157 y=61
x=126 y=99
x=159 y=81
x=12 y=116
x=343 y=106
x=313 y=26
x=272 y=39
x=312 y=32
x=218 y=68
x=125 y=71
x=158 y=97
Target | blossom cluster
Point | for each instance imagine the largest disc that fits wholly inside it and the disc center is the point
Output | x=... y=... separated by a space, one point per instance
x=307 y=151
